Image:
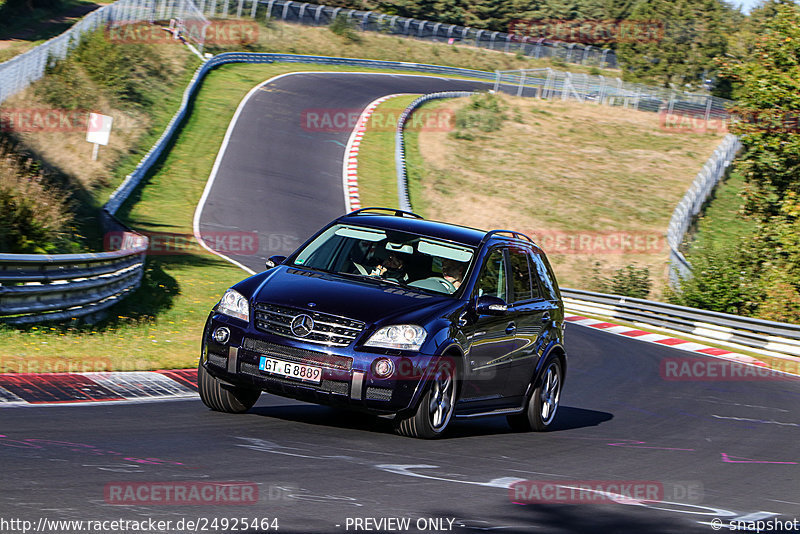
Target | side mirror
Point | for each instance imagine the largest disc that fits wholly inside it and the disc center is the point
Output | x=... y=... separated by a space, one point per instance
x=274 y=261
x=488 y=305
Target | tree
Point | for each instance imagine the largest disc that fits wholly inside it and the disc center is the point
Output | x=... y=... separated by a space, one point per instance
x=768 y=94
x=694 y=34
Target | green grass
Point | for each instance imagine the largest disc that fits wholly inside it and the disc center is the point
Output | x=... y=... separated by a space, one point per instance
x=377 y=176
x=599 y=170
x=159 y=326
x=721 y=222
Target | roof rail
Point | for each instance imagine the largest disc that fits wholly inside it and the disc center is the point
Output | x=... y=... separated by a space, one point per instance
x=515 y=235
x=396 y=212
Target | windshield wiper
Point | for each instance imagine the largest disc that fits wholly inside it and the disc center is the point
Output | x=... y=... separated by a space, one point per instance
x=373 y=278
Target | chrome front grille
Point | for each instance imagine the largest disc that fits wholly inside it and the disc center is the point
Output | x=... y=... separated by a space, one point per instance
x=292 y=354
x=327 y=329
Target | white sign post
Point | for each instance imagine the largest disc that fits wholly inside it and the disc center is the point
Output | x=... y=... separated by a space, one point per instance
x=99 y=131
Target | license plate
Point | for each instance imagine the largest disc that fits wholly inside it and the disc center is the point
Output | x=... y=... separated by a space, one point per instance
x=306 y=373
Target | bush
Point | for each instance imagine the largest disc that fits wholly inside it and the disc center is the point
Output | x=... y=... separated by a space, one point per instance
x=34 y=215
x=65 y=86
x=724 y=279
x=628 y=281
x=345 y=29
x=484 y=113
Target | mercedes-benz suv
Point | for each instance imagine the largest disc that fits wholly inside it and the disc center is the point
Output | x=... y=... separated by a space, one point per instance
x=385 y=312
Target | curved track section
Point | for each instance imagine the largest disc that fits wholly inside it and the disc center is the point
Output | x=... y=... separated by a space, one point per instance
x=715 y=449
x=279 y=175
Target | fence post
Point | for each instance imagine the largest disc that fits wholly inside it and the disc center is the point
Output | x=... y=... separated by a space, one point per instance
x=521 y=82
x=286 y=9
x=496 y=80
x=602 y=94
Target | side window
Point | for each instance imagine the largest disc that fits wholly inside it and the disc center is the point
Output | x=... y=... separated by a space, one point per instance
x=521 y=276
x=492 y=280
x=545 y=278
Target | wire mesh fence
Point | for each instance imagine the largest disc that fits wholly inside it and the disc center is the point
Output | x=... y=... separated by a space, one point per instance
x=320 y=15
x=20 y=71
x=675 y=106
x=17 y=73
x=678 y=112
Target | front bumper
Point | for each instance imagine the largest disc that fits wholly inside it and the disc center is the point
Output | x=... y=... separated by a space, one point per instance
x=348 y=379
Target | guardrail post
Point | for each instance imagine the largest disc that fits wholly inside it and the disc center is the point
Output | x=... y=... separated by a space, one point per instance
x=521 y=82
x=286 y=9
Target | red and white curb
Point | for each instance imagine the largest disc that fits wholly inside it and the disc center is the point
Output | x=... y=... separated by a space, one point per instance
x=350 y=164
x=22 y=389
x=668 y=341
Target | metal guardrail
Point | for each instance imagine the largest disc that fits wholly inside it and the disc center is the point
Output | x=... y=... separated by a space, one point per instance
x=40 y=287
x=783 y=338
x=706 y=112
x=22 y=70
x=19 y=72
x=316 y=15
x=693 y=201
x=54 y=287
x=403 y=198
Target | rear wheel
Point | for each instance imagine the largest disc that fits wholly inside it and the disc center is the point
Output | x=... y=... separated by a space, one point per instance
x=435 y=409
x=224 y=398
x=541 y=408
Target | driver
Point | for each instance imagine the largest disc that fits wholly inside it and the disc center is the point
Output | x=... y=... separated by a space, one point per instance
x=392 y=267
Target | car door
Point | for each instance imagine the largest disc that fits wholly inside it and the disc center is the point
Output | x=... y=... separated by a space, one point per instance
x=531 y=312
x=491 y=339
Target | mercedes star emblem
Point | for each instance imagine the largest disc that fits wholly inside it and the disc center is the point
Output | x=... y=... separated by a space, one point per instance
x=302 y=325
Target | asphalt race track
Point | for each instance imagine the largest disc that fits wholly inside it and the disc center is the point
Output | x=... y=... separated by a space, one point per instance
x=714 y=448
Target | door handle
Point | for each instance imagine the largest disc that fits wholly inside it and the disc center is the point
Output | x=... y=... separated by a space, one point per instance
x=546 y=317
x=511 y=328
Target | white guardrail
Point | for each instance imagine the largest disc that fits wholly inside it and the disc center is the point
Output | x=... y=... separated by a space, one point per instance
x=758 y=334
x=36 y=288
x=40 y=287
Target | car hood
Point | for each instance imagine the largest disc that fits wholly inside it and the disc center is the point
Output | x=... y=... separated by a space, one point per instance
x=364 y=300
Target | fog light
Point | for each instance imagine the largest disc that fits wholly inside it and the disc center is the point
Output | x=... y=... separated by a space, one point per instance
x=383 y=368
x=221 y=335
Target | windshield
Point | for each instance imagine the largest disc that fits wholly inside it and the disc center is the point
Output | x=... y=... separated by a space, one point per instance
x=406 y=259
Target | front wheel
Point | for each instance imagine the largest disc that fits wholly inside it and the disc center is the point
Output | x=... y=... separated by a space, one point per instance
x=541 y=409
x=224 y=398
x=435 y=409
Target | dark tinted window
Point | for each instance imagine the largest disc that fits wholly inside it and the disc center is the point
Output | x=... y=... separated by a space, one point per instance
x=545 y=277
x=492 y=281
x=521 y=281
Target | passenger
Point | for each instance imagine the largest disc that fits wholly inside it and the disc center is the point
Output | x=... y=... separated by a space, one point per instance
x=453 y=272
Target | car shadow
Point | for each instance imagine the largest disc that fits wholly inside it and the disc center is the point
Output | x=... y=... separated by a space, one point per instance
x=568 y=418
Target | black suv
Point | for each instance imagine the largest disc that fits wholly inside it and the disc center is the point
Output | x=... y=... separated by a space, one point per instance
x=386 y=312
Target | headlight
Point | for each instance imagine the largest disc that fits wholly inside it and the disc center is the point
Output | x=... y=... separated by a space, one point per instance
x=399 y=336
x=235 y=305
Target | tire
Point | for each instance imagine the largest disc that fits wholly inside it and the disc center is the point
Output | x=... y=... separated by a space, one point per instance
x=435 y=409
x=541 y=408
x=224 y=398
